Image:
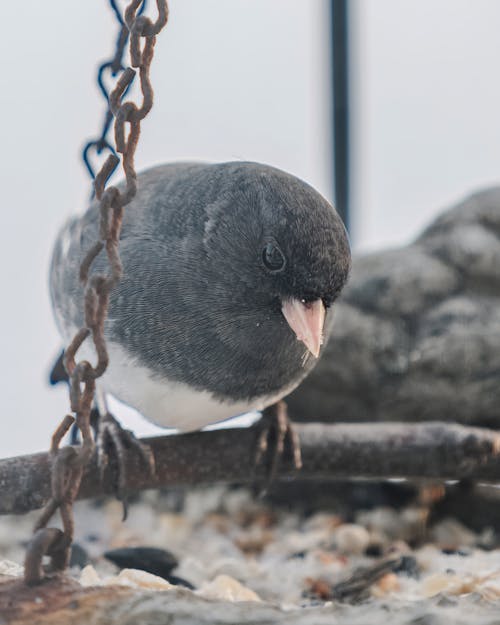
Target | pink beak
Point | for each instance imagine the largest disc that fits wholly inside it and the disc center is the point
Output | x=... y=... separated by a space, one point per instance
x=307 y=320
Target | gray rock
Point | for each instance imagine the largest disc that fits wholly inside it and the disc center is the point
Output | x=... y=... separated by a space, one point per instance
x=417 y=330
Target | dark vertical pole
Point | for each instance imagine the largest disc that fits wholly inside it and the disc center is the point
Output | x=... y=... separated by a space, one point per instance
x=340 y=80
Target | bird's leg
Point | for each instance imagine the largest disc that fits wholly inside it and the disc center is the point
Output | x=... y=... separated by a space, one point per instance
x=275 y=431
x=115 y=442
x=111 y=439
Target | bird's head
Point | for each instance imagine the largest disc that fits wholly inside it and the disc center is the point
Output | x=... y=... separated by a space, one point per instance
x=283 y=250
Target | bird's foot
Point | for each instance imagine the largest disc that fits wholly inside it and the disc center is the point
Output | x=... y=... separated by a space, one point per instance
x=275 y=433
x=114 y=442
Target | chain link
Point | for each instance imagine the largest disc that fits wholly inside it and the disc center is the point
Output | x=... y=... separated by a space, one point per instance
x=68 y=464
x=113 y=67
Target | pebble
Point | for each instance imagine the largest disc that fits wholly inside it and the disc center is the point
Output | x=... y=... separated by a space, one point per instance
x=133 y=578
x=351 y=539
x=139 y=579
x=89 y=577
x=451 y=534
x=226 y=588
x=150 y=559
x=387 y=584
x=12 y=569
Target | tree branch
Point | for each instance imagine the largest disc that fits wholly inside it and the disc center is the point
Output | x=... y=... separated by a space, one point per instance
x=423 y=450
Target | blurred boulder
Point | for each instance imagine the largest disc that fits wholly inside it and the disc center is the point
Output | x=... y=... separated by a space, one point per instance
x=417 y=330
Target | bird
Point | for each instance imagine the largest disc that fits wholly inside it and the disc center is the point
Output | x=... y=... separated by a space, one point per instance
x=230 y=271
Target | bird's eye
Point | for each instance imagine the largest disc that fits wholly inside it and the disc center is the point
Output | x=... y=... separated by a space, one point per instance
x=273 y=258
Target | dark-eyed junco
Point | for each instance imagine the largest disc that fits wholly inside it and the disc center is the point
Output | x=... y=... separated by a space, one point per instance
x=229 y=272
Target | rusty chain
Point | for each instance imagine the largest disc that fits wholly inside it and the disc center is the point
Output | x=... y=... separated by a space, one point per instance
x=113 y=67
x=68 y=464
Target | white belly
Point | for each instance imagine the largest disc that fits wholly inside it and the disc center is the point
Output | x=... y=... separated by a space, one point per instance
x=166 y=403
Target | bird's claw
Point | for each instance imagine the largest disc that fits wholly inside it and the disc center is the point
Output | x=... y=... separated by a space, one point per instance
x=115 y=442
x=275 y=432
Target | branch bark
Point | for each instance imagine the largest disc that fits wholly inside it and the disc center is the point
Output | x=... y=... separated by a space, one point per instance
x=423 y=450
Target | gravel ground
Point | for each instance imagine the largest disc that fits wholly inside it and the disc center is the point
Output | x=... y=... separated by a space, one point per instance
x=250 y=563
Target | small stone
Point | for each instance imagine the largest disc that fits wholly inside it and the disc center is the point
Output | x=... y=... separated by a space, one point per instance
x=138 y=579
x=439 y=583
x=452 y=535
x=351 y=539
x=385 y=585
x=487 y=540
x=12 y=569
x=383 y=521
x=328 y=558
x=323 y=521
x=398 y=547
x=90 y=577
x=225 y=588
x=254 y=542
x=319 y=588
x=150 y=559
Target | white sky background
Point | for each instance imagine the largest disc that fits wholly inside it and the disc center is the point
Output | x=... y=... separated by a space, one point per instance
x=426 y=111
x=234 y=79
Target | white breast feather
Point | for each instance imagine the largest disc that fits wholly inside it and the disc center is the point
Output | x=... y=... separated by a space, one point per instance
x=167 y=403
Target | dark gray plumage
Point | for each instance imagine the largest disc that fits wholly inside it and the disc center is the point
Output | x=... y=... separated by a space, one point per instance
x=197 y=309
